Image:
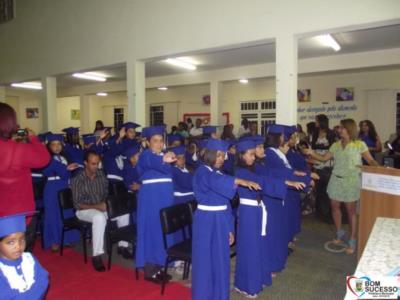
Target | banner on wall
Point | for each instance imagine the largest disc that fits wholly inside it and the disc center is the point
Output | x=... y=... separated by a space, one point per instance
x=333 y=111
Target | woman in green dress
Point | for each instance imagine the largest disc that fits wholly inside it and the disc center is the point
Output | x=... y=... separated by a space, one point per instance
x=345 y=182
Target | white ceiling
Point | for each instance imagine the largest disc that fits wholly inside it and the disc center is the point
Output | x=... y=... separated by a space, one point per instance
x=354 y=41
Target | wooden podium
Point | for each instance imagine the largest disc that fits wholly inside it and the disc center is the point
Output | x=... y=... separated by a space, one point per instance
x=380 y=197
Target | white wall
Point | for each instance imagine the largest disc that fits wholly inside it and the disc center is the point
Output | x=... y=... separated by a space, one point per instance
x=52 y=37
x=64 y=107
x=20 y=100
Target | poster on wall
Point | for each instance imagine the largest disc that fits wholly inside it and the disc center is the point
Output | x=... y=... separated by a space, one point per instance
x=345 y=94
x=32 y=113
x=304 y=95
x=75 y=114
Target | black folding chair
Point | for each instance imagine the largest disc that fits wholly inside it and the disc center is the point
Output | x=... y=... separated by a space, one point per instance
x=118 y=206
x=173 y=219
x=72 y=223
x=38 y=188
x=116 y=188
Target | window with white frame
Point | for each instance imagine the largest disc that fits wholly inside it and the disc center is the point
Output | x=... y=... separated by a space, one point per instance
x=156 y=115
x=260 y=112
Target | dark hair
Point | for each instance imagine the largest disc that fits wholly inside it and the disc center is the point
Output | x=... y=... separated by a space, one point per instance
x=101 y=125
x=88 y=153
x=210 y=157
x=310 y=128
x=299 y=128
x=240 y=163
x=51 y=153
x=8 y=121
x=323 y=122
x=274 y=140
x=371 y=130
x=2 y=238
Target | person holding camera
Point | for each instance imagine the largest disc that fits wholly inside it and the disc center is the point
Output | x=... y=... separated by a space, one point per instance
x=19 y=154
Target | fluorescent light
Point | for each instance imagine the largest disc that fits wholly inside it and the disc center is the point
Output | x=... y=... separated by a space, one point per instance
x=188 y=60
x=180 y=63
x=329 y=41
x=28 y=85
x=162 y=88
x=102 y=94
x=90 y=76
x=244 y=81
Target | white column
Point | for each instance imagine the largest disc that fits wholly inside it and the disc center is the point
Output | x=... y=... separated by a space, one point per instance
x=86 y=127
x=49 y=107
x=286 y=80
x=2 y=94
x=215 y=103
x=136 y=89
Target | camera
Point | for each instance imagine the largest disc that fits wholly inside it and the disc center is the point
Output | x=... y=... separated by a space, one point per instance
x=22 y=132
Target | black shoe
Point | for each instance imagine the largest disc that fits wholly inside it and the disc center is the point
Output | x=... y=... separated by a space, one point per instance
x=98 y=263
x=290 y=251
x=125 y=253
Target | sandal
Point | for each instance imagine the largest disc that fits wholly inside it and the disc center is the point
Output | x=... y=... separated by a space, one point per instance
x=339 y=239
x=351 y=246
x=250 y=296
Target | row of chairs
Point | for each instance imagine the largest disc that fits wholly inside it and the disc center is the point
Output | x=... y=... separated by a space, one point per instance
x=174 y=220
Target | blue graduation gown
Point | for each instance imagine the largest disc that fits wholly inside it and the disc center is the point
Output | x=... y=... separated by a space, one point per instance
x=190 y=162
x=113 y=162
x=298 y=162
x=33 y=278
x=183 y=187
x=130 y=175
x=210 y=244
x=74 y=154
x=251 y=246
x=57 y=179
x=152 y=197
x=229 y=164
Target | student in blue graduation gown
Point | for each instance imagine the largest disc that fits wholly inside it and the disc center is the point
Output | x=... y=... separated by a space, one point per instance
x=298 y=162
x=58 y=173
x=72 y=149
x=213 y=230
x=155 y=193
x=21 y=275
x=277 y=164
x=251 y=272
x=126 y=137
x=181 y=177
x=130 y=173
x=229 y=163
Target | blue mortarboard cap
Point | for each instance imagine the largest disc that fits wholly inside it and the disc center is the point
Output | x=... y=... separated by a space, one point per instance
x=55 y=137
x=14 y=223
x=245 y=145
x=179 y=150
x=202 y=144
x=43 y=136
x=275 y=128
x=131 y=151
x=88 y=139
x=174 y=137
x=153 y=130
x=289 y=130
x=71 y=130
x=129 y=125
x=218 y=145
x=258 y=139
x=209 y=129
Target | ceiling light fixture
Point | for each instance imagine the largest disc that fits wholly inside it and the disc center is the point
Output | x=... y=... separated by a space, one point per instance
x=102 y=94
x=329 y=41
x=90 y=76
x=33 y=85
x=162 y=88
x=180 y=63
x=244 y=81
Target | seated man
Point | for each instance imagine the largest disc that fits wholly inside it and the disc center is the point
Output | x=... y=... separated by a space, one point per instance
x=89 y=190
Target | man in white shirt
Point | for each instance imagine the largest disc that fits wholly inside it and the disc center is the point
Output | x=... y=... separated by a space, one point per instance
x=197 y=130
